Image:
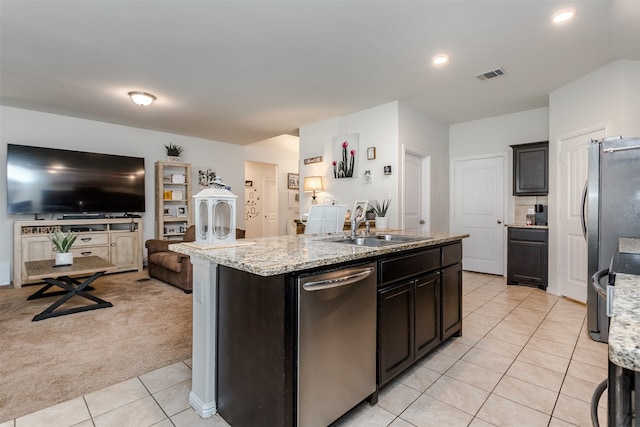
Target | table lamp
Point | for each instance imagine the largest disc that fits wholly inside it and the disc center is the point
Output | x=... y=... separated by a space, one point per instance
x=313 y=183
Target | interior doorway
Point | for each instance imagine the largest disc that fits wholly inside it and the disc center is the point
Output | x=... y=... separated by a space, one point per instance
x=572 y=266
x=261 y=199
x=478 y=208
x=416 y=193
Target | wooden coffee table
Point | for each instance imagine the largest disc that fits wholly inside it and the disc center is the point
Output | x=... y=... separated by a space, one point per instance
x=60 y=276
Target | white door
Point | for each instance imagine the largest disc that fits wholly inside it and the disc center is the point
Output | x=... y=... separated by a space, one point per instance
x=573 y=246
x=415 y=179
x=270 y=206
x=478 y=210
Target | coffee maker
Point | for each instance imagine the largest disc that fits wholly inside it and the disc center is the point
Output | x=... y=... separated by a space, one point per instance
x=541 y=214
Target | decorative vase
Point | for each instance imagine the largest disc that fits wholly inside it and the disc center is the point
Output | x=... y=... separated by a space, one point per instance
x=174 y=159
x=382 y=222
x=64 y=258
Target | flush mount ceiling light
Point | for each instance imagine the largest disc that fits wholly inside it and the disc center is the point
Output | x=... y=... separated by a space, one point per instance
x=143 y=99
x=563 y=15
x=440 y=59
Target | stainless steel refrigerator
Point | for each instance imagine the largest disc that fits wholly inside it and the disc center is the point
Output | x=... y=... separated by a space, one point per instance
x=611 y=209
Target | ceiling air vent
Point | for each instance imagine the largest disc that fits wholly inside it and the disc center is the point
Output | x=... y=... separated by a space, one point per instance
x=487 y=75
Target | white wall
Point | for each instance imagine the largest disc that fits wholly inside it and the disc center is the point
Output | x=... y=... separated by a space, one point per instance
x=609 y=95
x=27 y=127
x=495 y=135
x=282 y=151
x=376 y=127
x=419 y=132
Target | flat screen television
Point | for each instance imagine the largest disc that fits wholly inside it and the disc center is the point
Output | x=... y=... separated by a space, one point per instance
x=49 y=180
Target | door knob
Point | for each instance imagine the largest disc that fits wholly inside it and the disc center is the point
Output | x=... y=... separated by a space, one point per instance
x=499 y=221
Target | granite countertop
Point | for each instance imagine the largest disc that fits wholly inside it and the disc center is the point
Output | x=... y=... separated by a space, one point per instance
x=269 y=256
x=624 y=329
x=526 y=226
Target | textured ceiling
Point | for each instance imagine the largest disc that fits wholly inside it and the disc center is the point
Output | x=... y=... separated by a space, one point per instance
x=244 y=71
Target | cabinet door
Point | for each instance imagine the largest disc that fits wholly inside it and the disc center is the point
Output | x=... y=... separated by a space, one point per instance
x=531 y=169
x=124 y=249
x=527 y=263
x=427 y=313
x=395 y=330
x=34 y=249
x=451 y=301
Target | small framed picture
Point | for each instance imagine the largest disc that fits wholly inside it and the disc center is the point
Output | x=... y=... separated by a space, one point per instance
x=177 y=179
x=177 y=195
x=387 y=170
x=368 y=176
x=248 y=183
x=371 y=153
x=181 y=210
x=360 y=208
x=293 y=180
x=166 y=211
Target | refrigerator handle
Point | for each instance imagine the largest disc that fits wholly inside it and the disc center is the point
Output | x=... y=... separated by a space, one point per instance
x=583 y=218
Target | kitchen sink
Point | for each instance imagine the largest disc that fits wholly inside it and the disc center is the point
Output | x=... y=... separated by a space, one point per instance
x=378 y=240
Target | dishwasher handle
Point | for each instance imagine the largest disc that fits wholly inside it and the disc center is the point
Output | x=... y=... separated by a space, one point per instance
x=339 y=281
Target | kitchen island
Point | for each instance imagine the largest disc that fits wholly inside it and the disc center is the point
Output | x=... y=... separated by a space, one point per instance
x=245 y=312
x=624 y=341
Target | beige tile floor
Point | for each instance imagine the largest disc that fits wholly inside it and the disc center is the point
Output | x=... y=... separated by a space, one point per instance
x=525 y=359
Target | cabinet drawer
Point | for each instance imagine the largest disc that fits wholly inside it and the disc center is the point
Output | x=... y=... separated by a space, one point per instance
x=101 y=251
x=409 y=265
x=91 y=239
x=528 y=234
x=451 y=254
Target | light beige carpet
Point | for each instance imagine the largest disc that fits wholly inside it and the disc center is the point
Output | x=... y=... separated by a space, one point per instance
x=53 y=360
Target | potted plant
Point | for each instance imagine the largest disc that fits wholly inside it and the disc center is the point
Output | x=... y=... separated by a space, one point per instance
x=63 y=243
x=371 y=214
x=173 y=152
x=380 y=211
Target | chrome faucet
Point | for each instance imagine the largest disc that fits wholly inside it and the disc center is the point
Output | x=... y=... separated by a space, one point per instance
x=355 y=223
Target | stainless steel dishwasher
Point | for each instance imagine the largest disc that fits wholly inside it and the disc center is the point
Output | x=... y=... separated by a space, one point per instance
x=336 y=343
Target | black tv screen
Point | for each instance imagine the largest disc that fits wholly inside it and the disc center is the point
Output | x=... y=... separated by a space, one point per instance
x=49 y=180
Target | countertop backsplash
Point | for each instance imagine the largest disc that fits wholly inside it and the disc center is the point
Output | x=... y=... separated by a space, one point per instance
x=524 y=203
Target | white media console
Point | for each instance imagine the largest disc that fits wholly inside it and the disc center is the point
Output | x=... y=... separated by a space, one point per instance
x=117 y=240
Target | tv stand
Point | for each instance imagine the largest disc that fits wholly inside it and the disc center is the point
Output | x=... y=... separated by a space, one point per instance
x=117 y=240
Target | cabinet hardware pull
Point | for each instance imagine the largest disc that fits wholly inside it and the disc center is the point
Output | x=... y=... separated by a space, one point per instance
x=86 y=239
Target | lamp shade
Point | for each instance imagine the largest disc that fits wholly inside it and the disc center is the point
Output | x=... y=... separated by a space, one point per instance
x=313 y=183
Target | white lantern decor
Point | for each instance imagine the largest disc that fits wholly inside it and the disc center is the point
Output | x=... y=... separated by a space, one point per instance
x=215 y=215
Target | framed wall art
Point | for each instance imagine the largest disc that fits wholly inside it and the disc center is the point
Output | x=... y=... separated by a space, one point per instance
x=293 y=181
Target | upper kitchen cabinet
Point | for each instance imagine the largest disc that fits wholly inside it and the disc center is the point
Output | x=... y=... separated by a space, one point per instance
x=531 y=169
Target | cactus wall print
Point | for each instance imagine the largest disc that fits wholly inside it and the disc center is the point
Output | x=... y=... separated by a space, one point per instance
x=345 y=156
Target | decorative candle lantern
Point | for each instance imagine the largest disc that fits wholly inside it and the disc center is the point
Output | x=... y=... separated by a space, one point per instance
x=215 y=215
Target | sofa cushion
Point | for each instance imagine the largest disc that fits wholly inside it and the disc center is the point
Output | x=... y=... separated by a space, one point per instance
x=169 y=260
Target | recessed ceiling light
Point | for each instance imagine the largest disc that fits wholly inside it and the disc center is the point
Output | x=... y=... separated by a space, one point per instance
x=440 y=59
x=143 y=99
x=563 y=15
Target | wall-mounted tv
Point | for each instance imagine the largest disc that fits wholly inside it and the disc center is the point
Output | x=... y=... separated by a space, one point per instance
x=49 y=180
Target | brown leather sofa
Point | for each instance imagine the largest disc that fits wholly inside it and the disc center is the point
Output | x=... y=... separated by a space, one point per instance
x=168 y=266
x=173 y=267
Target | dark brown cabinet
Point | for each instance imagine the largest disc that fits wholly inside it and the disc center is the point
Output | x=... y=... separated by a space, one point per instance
x=531 y=169
x=451 y=301
x=395 y=332
x=420 y=309
x=527 y=260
